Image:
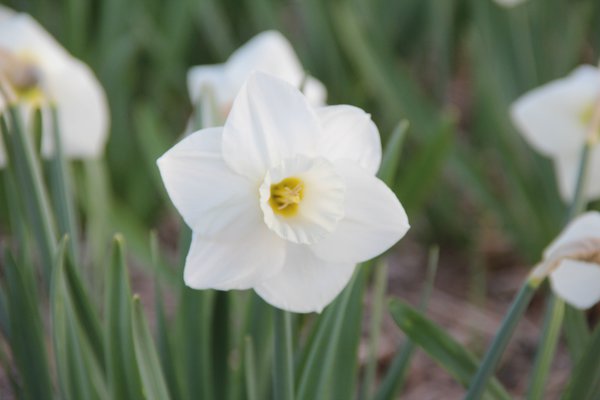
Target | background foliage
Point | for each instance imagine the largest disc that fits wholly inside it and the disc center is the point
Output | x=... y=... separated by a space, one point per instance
x=449 y=67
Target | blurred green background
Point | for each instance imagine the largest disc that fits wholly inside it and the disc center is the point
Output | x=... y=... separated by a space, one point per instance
x=451 y=67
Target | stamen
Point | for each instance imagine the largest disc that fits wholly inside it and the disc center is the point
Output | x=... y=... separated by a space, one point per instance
x=286 y=196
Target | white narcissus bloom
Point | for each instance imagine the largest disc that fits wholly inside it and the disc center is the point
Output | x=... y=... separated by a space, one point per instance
x=555 y=119
x=38 y=71
x=573 y=262
x=267 y=52
x=282 y=199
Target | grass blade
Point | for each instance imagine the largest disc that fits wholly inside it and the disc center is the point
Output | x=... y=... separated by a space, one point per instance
x=26 y=339
x=423 y=170
x=330 y=365
x=393 y=381
x=391 y=154
x=283 y=368
x=448 y=353
x=553 y=320
x=61 y=189
x=586 y=373
x=250 y=369
x=122 y=370
x=379 y=289
x=80 y=369
x=31 y=189
x=498 y=345
x=153 y=382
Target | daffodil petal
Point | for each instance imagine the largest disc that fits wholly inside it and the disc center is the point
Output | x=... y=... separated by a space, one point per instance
x=577 y=282
x=321 y=207
x=6 y=13
x=24 y=36
x=374 y=219
x=349 y=133
x=270 y=121
x=551 y=117
x=238 y=264
x=305 y=283
x=592 y=188
x=82 y=111
x=212 y=199
x=567 y=171
x=584 y=227
x=315 y=91
x=213 y=77
x=566 y=168
x=269 y=52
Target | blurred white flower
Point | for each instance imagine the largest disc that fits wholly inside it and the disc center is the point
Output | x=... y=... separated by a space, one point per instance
x=37 y=71
x=283 y=198
x=555 y=119
x=267 y=52
x=572 y=261
x=509 y=3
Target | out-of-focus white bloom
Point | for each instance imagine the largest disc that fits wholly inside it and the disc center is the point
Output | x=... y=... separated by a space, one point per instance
x=573 y=262
x=509 y=3
x=37 y=71
x=267 y=52
x=283 y=198
x=555 y=119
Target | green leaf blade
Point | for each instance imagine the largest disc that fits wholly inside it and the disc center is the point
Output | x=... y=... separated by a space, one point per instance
x=453 y=357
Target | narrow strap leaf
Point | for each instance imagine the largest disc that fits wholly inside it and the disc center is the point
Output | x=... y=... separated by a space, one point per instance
x=153 y=382
x=447 y=352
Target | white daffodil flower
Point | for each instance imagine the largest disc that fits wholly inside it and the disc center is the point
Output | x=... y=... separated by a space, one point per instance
x=555 y=120
x=35 y=71
x=572 y=261
x=283 y=198
x=267 y=52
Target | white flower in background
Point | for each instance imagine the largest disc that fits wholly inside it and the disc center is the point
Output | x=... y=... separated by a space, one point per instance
x=509 y=3
x=555 y=119
x=268 y=52
x=283 y=198
x=37 y=71
x=573 y=262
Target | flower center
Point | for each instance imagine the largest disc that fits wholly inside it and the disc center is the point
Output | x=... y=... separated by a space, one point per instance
x=286 y=196
x=585 y=116
x=22 y=73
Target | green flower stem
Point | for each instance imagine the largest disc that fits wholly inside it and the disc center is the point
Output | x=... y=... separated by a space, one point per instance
x=579 y=201
x=251 y=379
x=492 y=357
x=379 y=289
x=576 y=330
x=553 y=319
x=283 y=367
x=31 y=188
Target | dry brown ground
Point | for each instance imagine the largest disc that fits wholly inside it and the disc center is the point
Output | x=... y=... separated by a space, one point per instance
x=452 y=307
